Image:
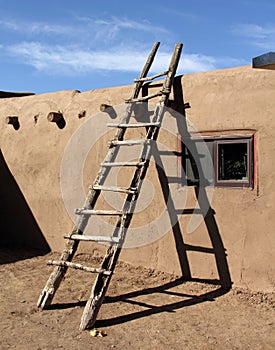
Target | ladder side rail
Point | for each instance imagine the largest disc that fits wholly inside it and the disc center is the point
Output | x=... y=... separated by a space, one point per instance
x=121 y=131
x=109 y=262
x=145 y=69
x=171 y=71
x=152 y=131
x=102 y=281
x=112 y=153
x=92 y=195
x=101 y=284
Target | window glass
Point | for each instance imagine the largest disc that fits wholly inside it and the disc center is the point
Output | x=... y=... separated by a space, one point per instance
x=233 y=161
x=199 y=161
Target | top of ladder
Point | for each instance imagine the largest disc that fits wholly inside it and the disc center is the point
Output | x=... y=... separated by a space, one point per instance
x=169 y=73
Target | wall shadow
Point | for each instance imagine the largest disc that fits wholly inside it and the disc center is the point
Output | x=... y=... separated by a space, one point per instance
x=201 y=196
x=20 y=235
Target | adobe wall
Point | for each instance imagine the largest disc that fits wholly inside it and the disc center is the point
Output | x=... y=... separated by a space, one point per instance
x=240 y=225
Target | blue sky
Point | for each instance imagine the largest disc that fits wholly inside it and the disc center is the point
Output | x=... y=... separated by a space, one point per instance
x=53 y=45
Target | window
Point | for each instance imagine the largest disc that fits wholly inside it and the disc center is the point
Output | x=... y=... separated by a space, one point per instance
x=218 y=161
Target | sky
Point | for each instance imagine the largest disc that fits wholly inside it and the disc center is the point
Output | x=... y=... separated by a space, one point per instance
x=53 y=45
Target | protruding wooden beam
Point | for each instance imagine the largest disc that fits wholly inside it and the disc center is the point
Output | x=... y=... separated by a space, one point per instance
x=57 y=117
x=104 y=106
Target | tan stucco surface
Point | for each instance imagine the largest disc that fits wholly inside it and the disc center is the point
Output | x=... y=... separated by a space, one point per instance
x=243 y=223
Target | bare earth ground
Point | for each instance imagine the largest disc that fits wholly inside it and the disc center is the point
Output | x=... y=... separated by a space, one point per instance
x=144 y=309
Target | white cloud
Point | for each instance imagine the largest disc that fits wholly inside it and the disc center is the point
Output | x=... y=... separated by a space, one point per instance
x=174 y=11
x=125 y=23
x=36 y=27
x=112 y=29
x=72 y=60
x=52 y=58
x=197 y=63
x=11 y=25
x=258 y=35
x=110 y=50
x=87 y=29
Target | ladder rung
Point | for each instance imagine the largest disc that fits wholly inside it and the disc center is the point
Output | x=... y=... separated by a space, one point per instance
x=152 y=77
x=129 y=142
x=133 y=125
x=108 y=164
x=78 y=266
x=80 y=211
x=86 y=238
x=115 y=189
x=145 y=98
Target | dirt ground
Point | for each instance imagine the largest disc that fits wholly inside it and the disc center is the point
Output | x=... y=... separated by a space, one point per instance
x=144 y=309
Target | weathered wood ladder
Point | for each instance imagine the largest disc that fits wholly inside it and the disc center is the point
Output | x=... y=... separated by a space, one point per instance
x=131 y=194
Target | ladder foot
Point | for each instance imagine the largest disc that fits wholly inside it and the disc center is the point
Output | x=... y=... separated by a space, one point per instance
x=90 y=312
x=45 y=299
x=86 y=324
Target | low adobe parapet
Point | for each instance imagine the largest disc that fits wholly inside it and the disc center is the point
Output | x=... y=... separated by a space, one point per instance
x=8 y=94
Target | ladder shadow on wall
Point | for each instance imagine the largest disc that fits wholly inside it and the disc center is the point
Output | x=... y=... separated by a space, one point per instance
x=218 y=250
x=20 y=236
x=223 y=283
x=212 y=229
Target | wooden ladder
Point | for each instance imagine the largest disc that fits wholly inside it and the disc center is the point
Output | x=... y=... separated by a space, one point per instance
x=124 y=216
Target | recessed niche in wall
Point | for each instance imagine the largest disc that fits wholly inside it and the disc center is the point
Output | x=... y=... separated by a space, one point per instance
x=14 y=121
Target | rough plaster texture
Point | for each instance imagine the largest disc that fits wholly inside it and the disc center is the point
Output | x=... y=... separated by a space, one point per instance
x=240 y=224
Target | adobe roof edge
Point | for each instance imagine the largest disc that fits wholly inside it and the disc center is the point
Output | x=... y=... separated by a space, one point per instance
x=8 y=94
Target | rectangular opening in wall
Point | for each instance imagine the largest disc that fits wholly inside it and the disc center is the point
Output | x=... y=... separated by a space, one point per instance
x=233 y=163
x=220 y=161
